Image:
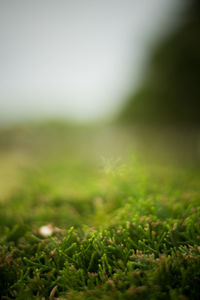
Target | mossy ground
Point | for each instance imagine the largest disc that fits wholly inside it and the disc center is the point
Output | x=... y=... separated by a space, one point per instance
x=127 y=230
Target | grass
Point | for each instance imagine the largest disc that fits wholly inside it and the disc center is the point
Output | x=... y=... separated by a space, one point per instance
x=120 y=229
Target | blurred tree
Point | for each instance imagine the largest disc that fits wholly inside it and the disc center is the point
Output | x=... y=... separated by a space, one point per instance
x=171 y=91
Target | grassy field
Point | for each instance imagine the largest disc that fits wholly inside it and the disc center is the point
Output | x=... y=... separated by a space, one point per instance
x=83 y=215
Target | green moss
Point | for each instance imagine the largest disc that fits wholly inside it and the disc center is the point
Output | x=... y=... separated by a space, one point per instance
x=135 y=233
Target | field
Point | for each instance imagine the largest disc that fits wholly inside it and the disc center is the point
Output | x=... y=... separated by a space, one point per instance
x=85 y=214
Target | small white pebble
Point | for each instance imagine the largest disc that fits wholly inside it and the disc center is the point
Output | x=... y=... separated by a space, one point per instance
x=46 y=230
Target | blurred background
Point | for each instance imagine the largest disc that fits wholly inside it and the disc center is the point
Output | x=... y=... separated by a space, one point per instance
x=89 y=83
x=88 y=60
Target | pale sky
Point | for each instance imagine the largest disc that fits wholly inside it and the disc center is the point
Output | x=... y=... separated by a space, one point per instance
x=75 y=58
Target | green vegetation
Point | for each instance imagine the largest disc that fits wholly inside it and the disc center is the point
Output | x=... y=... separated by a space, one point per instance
x=120 y=230
x=170 y=93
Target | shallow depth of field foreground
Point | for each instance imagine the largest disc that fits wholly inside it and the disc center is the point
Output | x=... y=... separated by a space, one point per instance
x=75 y=225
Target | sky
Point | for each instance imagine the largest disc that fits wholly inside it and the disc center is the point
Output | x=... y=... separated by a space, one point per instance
x=76 y=59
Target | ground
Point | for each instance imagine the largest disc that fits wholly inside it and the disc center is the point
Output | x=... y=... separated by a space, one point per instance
x=118 y=227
